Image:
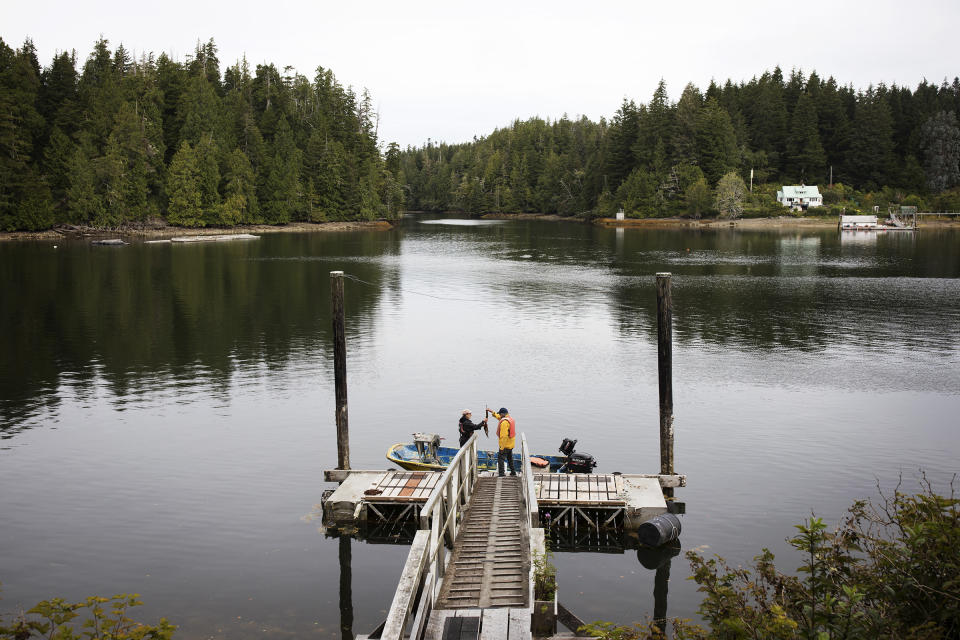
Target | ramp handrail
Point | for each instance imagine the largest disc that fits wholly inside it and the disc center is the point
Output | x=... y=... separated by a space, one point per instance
x=527 y=492
x=426 y=563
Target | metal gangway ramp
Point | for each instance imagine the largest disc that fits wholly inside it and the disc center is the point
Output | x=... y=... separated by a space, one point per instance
x=490 y=564
x=481 y=587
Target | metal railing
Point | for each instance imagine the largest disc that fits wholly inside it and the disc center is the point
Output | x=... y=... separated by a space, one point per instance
x=427 y=561
x=528 y=493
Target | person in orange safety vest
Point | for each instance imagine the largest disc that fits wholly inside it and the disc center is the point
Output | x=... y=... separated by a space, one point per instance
x=507 y=434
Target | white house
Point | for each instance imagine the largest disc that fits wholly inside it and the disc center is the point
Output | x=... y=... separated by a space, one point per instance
x=799 y=197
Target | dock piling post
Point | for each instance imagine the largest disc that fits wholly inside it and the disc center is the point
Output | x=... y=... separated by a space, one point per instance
x=340 y=369
x=665 y=374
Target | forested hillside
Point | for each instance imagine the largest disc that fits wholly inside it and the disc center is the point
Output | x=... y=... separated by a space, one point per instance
x=118 y=140
x=664 y=158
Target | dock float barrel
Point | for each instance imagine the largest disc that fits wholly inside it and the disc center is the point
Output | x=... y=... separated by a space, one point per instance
x=659 y=530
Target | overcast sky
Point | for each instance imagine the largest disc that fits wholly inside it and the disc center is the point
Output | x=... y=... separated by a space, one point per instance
x=450 y=70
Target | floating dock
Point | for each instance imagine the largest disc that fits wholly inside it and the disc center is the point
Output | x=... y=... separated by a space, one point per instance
x=477 y=538
x=218 y=237
x=470 y=569
x=368 y=498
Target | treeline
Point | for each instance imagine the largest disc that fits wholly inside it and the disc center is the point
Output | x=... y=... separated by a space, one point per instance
x=132 y=141
x=666 y=158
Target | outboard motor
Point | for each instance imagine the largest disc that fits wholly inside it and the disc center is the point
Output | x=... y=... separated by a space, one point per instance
x=576 y=462
x=427 y=445
x=581 y=463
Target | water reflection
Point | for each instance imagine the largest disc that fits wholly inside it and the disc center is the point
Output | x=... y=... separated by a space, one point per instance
x=146 y=318
x=184 y=395
x=863 y=238
x=346 y=589
x=658 y=560
x=152 y=317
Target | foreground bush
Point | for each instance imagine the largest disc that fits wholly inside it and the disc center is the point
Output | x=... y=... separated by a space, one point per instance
x=890 y=570
x=94 y=619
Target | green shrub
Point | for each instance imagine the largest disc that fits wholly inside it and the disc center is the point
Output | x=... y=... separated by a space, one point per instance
x=890 y=570
x=94 y=619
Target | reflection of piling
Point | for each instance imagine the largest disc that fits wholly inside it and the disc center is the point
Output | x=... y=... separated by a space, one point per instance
x=340 y=369
x=661 y=580
x=346 y=589
x=658 y=560
x=665 y=371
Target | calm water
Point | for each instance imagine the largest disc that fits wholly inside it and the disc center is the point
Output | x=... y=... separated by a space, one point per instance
x=166 y=412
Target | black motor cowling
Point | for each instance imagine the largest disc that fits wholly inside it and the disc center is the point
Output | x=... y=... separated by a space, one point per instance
x=566 y=447
x=580 y=463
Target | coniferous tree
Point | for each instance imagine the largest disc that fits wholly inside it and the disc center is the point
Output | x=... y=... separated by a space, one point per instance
x=239 y=190
x=716 y=141
x=280 y=191
x=624 y=131
x=84 y=204
x=688 y=111
x=25 y=201
x=870 y=154
x=806 y=159
x=940 y=140
x=184 y=187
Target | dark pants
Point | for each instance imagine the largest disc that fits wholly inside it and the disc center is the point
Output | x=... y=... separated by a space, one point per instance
x=505 y=454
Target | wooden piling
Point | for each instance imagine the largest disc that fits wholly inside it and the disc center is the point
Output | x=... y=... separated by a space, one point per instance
x=665 y=373
x=340 y=369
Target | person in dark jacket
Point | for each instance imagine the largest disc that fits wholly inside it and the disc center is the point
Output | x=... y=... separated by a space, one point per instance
x=467 y=427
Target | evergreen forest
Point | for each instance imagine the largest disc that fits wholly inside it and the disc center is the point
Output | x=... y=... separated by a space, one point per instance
x=881 y=145
x=120 y=141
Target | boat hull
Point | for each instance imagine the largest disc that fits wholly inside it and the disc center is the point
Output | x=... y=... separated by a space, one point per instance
x=405 y=455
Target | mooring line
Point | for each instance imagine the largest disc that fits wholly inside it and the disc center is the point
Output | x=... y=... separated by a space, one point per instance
x=406 y=290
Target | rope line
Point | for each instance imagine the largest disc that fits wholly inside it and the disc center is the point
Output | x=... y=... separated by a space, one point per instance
x=406 y=290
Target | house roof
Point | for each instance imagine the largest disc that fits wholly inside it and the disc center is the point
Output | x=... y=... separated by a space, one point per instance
x=801 y=191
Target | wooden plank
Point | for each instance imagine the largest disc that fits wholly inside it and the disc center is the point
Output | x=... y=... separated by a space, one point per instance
x=451 y=629
x=339 y=475
x=470 y=630
x=410 y=485
x=423 y=488
x=518 y=625
x=495 y=624
x=435 y=624
x=667 y=480
x=584 y=503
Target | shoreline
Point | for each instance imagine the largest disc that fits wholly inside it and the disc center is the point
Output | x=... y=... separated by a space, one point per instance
x=163 y=232
x=777 y=222
x=713 y=223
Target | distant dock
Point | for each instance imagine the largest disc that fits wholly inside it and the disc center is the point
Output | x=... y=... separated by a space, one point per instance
x=222 y=237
